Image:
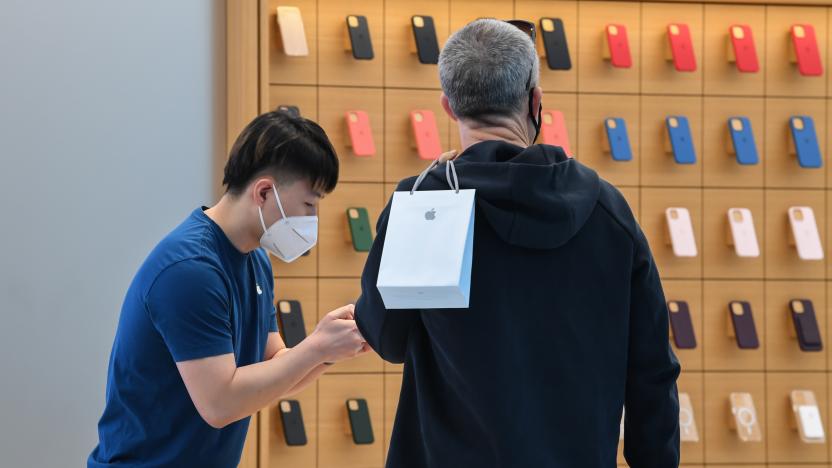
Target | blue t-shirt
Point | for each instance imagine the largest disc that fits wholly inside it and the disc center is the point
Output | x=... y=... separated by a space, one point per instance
x=195 y=296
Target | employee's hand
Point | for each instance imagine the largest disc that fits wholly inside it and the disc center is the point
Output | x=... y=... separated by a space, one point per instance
x=448 y=156
x=336 y=337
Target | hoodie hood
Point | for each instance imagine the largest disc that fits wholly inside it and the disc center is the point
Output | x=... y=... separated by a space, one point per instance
x=533 y=197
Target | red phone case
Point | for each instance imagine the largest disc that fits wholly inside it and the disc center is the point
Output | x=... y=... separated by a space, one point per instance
x=619 y=46
x=745 y=52
x=806 y=50
x=681 y=47
x=426 y=134
x=361 y=135
x=553 y=130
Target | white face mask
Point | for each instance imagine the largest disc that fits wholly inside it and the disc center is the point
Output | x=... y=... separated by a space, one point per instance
x=289 y=237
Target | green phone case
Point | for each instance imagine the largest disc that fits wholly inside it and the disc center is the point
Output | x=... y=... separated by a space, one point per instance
x=359 y=222
x=360 y=423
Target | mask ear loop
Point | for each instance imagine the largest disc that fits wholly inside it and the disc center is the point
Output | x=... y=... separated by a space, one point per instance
x=277 y=199
x=537 y=122
x=279 y=206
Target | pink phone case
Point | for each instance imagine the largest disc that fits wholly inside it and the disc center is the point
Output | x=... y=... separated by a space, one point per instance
x=805 y=233
x=618 y=46
x=680 y=228
x=681 y=47
x=742 y=232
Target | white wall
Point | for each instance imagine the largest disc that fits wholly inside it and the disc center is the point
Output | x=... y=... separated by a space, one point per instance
x=110 y=119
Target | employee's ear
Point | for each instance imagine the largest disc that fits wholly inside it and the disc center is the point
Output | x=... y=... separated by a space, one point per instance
x=260 y=190
x=447 y=106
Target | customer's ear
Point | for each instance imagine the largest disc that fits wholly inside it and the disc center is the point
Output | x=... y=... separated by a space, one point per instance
x=537 y=98
x=447 y=106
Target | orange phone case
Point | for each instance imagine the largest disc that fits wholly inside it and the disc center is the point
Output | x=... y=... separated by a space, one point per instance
x=361 y=135
x=553 y=130
x=426 y=134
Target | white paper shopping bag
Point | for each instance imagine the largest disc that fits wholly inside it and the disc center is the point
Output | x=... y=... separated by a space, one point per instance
x=426 y=261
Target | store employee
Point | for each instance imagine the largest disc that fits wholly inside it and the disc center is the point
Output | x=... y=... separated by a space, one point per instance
x=197 y=349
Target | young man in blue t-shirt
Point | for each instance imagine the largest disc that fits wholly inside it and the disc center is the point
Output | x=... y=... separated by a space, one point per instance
x=197 y=349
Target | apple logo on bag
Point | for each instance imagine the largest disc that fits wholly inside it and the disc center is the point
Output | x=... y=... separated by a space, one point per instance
x=430 y=215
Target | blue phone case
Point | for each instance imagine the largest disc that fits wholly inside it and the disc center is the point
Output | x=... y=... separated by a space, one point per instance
x=743 y=141
x=680 y=140
x=618 y=139
x=806 y=142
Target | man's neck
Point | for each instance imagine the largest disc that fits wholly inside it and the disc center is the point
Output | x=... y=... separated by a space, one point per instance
x=503 y=129
x=229 y=216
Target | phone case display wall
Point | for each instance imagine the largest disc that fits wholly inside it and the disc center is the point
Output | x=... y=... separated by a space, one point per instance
x=712 y=119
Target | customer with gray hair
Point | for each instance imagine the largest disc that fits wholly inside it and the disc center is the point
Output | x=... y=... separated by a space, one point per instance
x=567 y=321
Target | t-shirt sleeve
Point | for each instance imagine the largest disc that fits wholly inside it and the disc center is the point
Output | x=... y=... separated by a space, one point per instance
x=273 y=321
x=189 y=304
x=266 y=264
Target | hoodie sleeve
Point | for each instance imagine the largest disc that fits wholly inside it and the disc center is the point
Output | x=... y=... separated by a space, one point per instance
x=386 y=332
x=651 y=425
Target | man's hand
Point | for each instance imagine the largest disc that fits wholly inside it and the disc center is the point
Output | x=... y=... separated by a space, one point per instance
x=448 y=156
x=336 y=337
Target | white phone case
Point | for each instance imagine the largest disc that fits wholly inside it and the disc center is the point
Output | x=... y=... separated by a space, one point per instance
x=681 y=232
x=687 y=423
x=744 y=417
x=292 y=33
x=807 y=416
x=805 y=233
x=742 y=232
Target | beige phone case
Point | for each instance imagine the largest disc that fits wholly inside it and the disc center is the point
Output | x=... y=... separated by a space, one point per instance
x=292 y=34
x=744 y=417
x=687 y=423
x=804 y=233
x=807 y=420
x=743 y=236
x=680 y=231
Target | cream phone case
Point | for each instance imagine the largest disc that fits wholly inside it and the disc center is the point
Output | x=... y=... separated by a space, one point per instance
x=680 y=229
x=805 y=233
x=291 y=31
x=687 y=423
x=743 y=236
x=807 y=418
x=744 y=417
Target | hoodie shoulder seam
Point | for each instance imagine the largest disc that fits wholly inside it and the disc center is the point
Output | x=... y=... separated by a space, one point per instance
x=628 y=230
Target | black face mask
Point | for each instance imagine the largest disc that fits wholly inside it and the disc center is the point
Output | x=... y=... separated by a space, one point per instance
x=535 y=120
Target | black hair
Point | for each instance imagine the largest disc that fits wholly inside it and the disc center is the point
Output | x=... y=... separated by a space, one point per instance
x=286 y=147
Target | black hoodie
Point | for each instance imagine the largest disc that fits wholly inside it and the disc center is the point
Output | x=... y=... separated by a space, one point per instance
x=567 y=324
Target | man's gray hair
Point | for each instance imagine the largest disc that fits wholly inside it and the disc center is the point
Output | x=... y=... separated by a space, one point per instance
x=484 y=67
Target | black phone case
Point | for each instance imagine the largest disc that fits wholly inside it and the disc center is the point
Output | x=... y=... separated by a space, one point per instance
x=682 y=326
x=427 y=45
x=744 y=328
x=291 y=324
x=293 y=429
x=806 y=326
x=362 y=428
x=557 y=50
x=294 y=111
x=362 y=45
